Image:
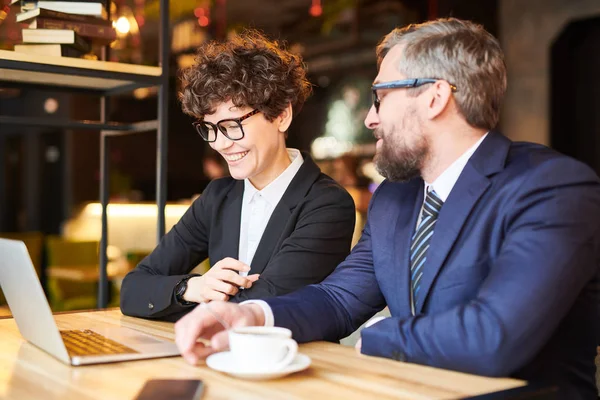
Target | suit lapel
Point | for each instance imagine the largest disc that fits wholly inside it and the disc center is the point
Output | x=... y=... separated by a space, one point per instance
x=405 y=227
x=296 y=191
x=231 y=215
x=488 y=159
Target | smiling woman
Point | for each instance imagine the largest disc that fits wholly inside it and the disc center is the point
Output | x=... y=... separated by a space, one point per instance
x=277 y=223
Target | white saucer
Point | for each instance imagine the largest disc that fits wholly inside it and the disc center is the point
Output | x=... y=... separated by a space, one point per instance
x=224 y=362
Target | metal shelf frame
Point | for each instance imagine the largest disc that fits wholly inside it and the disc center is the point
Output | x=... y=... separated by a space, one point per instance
x=104 y=79
x=68 y=124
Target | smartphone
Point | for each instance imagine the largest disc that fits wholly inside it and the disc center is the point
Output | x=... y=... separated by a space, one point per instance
x=172 y=389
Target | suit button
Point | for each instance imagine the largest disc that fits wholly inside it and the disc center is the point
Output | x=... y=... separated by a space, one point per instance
x=150 y=306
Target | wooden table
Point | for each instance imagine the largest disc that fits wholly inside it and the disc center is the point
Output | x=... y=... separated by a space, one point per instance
x=336 y=372
x=4 y=311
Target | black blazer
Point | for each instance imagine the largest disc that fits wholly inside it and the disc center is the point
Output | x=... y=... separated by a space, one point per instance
x=307 y=236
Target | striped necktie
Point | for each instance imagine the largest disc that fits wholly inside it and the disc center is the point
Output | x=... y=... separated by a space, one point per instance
x=420 y=240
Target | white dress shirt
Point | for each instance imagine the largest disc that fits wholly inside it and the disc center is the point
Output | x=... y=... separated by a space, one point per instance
x=445 y=182
x=442 y=185
x=258 y=206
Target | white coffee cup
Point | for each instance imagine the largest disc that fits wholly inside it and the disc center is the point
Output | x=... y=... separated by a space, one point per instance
x=262 y=348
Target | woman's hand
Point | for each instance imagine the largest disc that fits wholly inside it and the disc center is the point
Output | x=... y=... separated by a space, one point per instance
x=220 y=282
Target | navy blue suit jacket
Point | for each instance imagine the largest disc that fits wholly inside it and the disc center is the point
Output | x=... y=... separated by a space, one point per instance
x=510 y=284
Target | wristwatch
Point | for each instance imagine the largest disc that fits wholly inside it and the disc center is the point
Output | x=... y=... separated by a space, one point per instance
x=180 y=289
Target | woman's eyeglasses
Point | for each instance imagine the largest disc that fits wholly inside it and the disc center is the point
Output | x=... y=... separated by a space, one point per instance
x=231 y=127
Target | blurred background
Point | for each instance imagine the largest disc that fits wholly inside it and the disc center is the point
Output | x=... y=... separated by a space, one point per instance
x=50 y=177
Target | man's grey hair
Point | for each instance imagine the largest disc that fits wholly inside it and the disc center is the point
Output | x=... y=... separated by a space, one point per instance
x=459 y=52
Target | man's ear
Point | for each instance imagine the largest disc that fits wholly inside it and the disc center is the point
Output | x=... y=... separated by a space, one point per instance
x=438 y=99
x=284 y=119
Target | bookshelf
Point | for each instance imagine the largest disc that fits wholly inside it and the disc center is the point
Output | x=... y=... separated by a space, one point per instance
x=100 y=76
x=105 y=79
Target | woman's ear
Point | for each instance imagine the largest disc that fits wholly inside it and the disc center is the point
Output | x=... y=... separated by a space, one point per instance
x=285 y=119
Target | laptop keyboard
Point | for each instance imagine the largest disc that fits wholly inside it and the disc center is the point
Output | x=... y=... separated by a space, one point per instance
x=89 y=343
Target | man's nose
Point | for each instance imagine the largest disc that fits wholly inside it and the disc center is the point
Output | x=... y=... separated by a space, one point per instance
x=372 y=118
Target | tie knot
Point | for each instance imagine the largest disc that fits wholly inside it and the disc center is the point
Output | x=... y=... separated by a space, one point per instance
x=433 y=204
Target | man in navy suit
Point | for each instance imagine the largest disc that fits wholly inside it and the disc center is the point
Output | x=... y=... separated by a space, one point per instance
x=486 y=251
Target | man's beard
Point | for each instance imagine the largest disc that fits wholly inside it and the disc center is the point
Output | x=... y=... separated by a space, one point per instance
x=395 y=160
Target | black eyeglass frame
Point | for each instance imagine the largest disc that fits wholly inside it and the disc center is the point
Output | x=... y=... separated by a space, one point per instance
x=217 y=127
x=402 y=84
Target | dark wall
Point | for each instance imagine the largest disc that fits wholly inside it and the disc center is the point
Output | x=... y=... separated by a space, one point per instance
x=484 y=12
x=32 y=163
x=481 y=11
x=575 y=84
x=10 y=204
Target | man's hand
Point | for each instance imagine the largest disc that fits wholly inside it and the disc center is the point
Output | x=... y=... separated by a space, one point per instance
x=202 y=324
x=220 y=282
x=358 y=345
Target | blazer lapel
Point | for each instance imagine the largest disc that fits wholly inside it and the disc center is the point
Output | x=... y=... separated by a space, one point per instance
x=488 y=159
x=296 y=191
x=231 y=214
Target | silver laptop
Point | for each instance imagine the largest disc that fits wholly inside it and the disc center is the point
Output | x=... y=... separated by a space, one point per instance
x=101 y=343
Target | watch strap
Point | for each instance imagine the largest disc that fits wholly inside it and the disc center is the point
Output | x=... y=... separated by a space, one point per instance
x=180 y=289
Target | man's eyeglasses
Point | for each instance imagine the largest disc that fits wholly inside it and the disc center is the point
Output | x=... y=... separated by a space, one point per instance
x=402 y=84
x=231 y=127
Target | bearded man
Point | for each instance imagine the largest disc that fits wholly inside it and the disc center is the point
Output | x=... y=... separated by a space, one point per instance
x=486 y=251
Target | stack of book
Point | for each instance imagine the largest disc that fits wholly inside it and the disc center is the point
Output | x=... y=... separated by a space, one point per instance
x=67 y=28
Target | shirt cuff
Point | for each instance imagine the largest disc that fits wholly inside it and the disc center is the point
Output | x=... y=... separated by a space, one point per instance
x=269 y=319
x=374 y=320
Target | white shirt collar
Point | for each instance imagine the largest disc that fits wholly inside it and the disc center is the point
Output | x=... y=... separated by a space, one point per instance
x=445 y=182
x=274 y=191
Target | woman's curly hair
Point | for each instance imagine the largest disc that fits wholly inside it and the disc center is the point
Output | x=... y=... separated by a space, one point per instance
x=248 y=69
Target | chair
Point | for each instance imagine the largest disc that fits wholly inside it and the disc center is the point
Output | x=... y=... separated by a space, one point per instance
x=34 y=241
x=354 y=336
x=72 y=273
